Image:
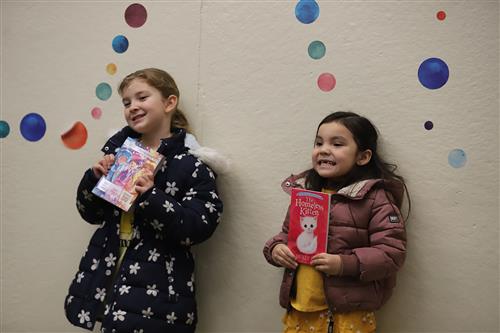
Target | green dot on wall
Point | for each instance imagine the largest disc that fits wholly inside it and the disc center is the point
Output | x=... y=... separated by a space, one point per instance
x=4 y=129
x=103 y=91
x=316 y=49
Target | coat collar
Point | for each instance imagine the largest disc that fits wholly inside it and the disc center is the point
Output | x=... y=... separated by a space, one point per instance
x=168 y=146
x=355 y=191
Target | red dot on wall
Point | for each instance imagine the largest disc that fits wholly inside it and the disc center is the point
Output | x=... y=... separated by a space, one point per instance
x=441 y=15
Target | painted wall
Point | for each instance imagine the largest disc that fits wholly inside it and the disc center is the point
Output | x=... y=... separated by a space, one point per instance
x=250 y=88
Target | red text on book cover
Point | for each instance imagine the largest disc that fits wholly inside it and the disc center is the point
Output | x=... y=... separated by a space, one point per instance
x=308 y=228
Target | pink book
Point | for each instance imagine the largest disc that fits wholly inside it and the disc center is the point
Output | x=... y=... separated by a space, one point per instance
x=131 y=161
x=308 y=228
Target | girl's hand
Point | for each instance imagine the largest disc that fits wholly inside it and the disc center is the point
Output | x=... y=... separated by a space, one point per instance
x=283 y=256
x=102 y=167
x=144 y=182
x=330 y=264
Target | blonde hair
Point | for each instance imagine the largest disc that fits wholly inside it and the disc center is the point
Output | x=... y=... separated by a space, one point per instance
x=165 y=83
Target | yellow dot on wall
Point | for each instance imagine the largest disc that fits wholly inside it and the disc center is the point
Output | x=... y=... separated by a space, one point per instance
x=111 y=69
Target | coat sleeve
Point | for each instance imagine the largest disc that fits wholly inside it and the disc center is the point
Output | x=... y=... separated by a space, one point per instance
x=387 y=250
x=91 y=208
x=280 y=238
x=191 y=220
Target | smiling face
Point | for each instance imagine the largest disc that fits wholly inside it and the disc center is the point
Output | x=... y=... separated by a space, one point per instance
x=335 y=152
x=146 y=110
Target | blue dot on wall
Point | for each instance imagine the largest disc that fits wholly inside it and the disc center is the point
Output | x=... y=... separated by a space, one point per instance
x=316 y=49
x=433 y=73
x=4 y=129
x=120 y=44
x=103 y=91
x=307 y=11
x=33 y=127
x=457 y=158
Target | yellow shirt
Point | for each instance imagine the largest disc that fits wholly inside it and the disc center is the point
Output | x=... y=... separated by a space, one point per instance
x=125 y=234
x=310 y=295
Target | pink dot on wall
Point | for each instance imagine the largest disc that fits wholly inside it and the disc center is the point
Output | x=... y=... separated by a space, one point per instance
x=96 y=113
x=326 y=82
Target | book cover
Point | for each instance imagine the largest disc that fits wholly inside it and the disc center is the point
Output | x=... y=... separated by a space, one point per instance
x=308 y=227
x=131 y=161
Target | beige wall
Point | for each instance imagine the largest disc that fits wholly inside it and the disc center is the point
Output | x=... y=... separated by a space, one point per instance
x=248 y=86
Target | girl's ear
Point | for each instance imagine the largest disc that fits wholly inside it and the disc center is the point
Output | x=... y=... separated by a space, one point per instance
x=364 y=157
x=170 y=103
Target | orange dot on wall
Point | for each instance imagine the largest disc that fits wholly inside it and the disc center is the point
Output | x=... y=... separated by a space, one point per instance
x=441 y=15
x=76 y=136
x=111 y=68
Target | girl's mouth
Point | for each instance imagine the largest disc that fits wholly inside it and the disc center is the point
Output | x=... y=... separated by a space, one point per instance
x=326 y=163
x=137 y=117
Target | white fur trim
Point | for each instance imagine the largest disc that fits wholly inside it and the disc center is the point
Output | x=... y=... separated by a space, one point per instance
x=190 y=141
x=218 y=162
x=215 y=160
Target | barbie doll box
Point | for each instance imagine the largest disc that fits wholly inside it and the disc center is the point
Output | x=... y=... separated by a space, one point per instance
x=132 y=160
x=308 y=228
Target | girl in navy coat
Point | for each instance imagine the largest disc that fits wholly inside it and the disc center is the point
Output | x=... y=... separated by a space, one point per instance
x=137 y=274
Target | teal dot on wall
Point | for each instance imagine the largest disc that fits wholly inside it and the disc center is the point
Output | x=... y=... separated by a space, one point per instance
x=316 y=49
x=4 y=129
x=103 y=91
x=457 y=158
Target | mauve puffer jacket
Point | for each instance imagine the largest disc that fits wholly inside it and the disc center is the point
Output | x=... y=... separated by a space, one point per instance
x=368 y=232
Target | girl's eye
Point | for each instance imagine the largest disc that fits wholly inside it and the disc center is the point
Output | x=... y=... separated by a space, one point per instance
x=142 y=98
x=317 y=143
x=126 y=104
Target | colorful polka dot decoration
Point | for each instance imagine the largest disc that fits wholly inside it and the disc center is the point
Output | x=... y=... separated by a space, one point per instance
x=326 y=82
x=136 y=15
x=103 y=91
x=33 y=127
x=96 y=113
x=76 y=136
x=120 y=44
x=441 y=15
x=307 y=11
x=4 y=129
x=457 y=158
x=316 y=50
x=433 y=73
x=428 y=125
x=111 y=69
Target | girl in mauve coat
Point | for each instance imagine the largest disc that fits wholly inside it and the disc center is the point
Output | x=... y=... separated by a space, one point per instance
x=342 y=288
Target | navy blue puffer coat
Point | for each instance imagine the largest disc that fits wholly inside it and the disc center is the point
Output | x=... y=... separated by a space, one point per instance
x=154 y=289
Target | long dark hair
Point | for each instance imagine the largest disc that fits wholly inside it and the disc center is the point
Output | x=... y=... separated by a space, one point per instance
x=365 y=135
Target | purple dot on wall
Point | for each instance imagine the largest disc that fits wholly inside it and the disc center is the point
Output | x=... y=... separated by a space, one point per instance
x=326 y=82
x=135 y=15
x=428 y=125
x=96 y=113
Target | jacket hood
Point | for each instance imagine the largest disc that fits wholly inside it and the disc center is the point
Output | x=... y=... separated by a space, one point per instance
x=355 y=191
